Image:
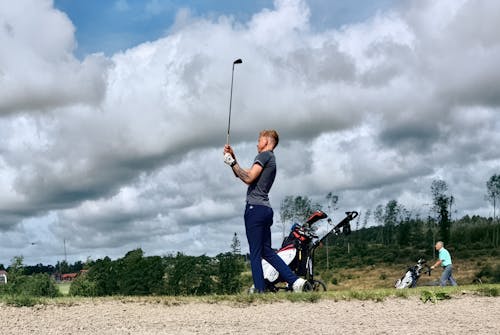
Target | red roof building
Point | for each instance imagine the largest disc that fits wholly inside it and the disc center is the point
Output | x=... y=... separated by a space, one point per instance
x=69 y=276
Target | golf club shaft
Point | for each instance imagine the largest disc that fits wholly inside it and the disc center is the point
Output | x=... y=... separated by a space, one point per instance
x=230 y=103
x=238 y=61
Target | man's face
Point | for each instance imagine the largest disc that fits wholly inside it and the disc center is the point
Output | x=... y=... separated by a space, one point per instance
x=262 y=143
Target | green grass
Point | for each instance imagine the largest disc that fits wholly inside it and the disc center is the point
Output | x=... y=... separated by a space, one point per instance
x=64 y=288
x=385 y=275
x=21 y=300
x=489 y=290
x=424 y=294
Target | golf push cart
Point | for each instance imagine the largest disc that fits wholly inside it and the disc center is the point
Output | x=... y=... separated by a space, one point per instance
x=297 y=251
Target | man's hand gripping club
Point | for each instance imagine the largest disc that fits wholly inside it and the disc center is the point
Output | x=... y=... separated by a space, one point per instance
x=247 y=176
x=229 y=158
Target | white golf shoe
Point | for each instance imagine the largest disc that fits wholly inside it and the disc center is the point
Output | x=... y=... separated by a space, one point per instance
x=298 y=285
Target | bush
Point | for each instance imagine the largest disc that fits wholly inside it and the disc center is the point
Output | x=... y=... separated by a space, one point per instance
x=82 y=286
x=488 y=274
x=42 y=285
x=229 y=271
x=139 y=275
x=189 y=275
x=38 y=285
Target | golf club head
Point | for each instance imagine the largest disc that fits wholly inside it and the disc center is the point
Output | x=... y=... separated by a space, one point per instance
x=238 y=61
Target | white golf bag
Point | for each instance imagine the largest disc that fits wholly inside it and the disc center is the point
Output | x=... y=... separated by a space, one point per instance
x=287 y=254
x=411 y=276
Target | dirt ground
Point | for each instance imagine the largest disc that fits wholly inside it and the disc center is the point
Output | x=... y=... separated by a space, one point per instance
x=459 y=315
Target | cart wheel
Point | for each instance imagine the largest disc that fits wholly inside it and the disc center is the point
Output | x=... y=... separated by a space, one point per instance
x=318 y=286
x=308 y=287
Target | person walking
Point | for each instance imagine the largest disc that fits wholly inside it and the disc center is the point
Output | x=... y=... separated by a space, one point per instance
x=258 y=211
x=445 y=262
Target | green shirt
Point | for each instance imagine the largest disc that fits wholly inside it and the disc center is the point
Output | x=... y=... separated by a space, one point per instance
x=445 y=257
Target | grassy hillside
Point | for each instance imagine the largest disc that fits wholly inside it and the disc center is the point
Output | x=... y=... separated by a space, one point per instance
x=384 y=275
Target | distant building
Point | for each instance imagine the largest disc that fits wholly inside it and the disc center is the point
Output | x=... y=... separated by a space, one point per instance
x=3 y=277
x=69 y=276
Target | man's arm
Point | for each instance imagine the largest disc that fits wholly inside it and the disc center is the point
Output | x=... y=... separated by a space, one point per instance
x=247 y=176
x=438 y=263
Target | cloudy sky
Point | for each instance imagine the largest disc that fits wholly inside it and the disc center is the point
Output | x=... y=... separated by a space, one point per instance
x=113 y=115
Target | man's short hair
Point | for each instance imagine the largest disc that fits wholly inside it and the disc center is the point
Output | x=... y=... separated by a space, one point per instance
x=271 y=134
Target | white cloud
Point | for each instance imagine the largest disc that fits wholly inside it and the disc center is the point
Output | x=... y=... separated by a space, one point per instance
x=38 y=71
x=124 y=152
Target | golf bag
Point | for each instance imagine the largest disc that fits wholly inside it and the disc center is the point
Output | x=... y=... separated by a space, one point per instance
x=412 y=275
x=297 y=251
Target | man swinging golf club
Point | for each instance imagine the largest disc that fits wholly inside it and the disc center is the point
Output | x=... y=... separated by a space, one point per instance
x=258 y=212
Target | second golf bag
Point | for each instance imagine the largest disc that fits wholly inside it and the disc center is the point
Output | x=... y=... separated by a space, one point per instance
x=297 y=251
x=411 y=276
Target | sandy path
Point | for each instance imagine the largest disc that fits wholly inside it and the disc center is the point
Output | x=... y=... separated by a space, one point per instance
x=459 y=315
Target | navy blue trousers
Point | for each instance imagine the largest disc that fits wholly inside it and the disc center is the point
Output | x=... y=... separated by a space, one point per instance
x=258 y=222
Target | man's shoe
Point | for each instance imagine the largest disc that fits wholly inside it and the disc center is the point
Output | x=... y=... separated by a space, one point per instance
x=298 y=285
x=252 y=290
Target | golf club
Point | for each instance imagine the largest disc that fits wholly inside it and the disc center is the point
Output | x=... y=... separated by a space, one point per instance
x=238 y=61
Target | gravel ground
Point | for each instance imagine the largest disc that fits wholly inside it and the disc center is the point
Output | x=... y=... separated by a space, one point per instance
x=459 y=315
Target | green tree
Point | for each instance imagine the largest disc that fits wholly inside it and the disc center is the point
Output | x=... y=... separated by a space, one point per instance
x=83 y=286
x=493 y=191
x=189 y=275
x=230 y=267
x=389 y=217
x=16 y=268
x=331 y=201
x=40 y=284
x=133 y=274
x=139 y=275
x=103 y=273
x=366 y=218
x=441 y=203
x=63 y=267
x=236 y=245
x=297 y=208
x=392 y=213
x=130 y=274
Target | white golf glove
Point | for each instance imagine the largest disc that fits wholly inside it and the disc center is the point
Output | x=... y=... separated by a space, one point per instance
x=229 y=160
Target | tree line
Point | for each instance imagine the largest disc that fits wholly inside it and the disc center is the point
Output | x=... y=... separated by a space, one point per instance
x=137 y=274
x=398 y=237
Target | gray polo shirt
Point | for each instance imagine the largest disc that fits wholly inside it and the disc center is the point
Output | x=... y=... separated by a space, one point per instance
x=258 y=191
